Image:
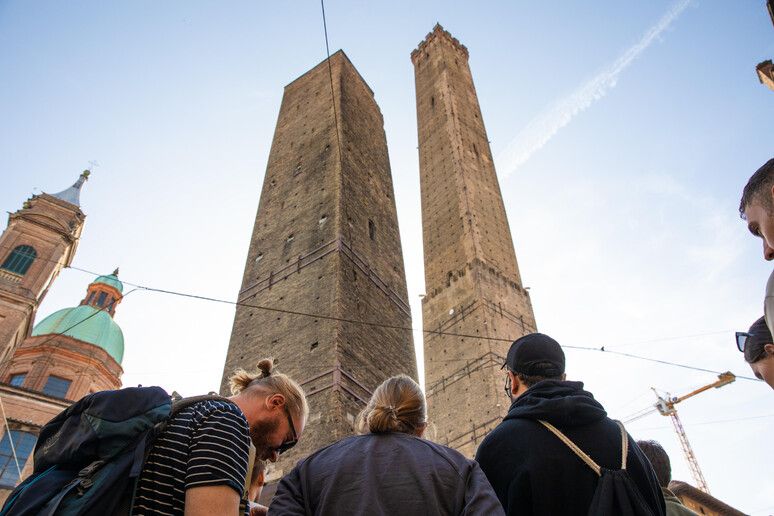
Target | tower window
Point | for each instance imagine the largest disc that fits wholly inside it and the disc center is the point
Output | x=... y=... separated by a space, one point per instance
x=23 y=442
x=17 y=379
x=19 y=260
x=56 y=387
x=371 y=229
x=101 y=298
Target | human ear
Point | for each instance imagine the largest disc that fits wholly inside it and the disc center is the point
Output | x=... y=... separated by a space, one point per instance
x=515 y=383
x=769 y=348
x=275 y=400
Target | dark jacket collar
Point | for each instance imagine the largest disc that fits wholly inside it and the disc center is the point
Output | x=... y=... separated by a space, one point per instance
x=560 y=403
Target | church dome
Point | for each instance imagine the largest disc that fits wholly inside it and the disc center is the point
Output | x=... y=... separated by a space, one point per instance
x=88 y=324
x=91 y=321
x=111 y=280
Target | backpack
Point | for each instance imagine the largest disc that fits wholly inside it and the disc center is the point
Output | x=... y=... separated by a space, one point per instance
x=616 y=492
x=88 y=458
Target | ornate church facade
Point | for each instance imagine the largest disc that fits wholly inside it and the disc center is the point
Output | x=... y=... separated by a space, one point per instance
x=48 y=365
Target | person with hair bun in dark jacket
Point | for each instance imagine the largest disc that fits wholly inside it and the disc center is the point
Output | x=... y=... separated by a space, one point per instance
x=388 y=469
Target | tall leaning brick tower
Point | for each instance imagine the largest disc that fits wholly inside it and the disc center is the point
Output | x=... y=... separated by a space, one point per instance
x=471 y=276
x=326 y=242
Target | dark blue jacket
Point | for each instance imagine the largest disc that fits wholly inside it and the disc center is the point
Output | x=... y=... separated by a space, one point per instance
x=533 y=472
x=385 y=474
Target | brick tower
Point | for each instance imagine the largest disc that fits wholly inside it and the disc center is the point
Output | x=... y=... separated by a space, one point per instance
x=41 y=238
x=471 y=276
x=326 y=242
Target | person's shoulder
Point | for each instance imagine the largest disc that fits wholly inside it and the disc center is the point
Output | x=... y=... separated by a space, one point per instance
x=342 y=446
x=215 y=410
x=425 y=450
x=511 y=432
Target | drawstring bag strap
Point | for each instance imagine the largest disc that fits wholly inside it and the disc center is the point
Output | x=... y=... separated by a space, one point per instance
x=580 y=453
x=624 y=444
x=583 y=456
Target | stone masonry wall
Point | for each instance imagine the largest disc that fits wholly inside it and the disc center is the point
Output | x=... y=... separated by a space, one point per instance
x=472 y=278
x=325 y=242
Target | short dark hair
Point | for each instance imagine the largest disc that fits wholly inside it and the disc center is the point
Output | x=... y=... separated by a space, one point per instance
x=659 y=460
x=757 y=186
x=530 y=380
x=755 y=346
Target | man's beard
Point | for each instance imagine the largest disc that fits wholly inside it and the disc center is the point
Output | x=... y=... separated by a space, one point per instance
x=259 y=434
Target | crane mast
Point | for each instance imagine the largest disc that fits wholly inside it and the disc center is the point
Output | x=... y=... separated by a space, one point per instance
x=666 y=407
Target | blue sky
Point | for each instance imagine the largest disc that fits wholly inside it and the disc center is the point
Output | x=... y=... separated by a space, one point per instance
x=624 y=220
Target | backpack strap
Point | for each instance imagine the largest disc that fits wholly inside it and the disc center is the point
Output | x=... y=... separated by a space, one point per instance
x=183 y=403
x=580 y=453
x=624 y=444
x=249 y=476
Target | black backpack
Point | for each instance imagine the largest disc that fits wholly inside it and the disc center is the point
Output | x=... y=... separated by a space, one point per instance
x=616 y=492
x=88 y=458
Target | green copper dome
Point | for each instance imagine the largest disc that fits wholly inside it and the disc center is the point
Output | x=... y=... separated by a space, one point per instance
x=111 y=280
x=88 y=324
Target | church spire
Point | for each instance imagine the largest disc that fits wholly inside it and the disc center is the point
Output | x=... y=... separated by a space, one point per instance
x=73 y=194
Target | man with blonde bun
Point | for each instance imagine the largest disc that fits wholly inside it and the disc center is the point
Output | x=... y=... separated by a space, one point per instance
x=388 y=469
x=198 y=464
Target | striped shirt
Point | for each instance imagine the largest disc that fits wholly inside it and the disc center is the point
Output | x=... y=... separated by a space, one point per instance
x=206 y=444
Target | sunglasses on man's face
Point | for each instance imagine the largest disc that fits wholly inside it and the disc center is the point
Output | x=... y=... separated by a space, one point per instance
x=741 y=340
x=282 y=448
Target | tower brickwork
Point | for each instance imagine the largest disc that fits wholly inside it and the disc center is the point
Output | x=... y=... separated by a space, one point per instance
x=40 y=239
x=472 y=277
x=326 y=242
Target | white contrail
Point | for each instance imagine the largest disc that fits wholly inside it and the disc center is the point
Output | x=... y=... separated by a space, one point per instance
x=542 y=128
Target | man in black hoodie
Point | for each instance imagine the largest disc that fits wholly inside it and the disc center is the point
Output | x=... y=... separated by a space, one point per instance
x=531 y=470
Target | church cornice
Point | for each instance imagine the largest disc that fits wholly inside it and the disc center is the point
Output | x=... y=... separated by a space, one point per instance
x=68 y=234
x=67 y=347
x=8 y=390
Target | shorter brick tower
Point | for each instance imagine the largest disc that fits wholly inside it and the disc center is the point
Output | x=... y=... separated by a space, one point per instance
x=40 y=239
x=71 y=353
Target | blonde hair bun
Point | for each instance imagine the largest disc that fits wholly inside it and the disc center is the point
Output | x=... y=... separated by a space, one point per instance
x=266 y=366
x=397 y=405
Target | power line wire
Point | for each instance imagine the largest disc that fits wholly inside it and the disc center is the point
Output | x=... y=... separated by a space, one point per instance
x=601 y=349
x=330 y=75
x=712 y=422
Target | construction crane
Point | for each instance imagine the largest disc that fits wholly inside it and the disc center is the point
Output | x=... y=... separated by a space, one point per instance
x=666 y=407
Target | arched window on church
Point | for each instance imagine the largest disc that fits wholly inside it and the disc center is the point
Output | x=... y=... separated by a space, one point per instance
x=23 y=443
x=19 y=260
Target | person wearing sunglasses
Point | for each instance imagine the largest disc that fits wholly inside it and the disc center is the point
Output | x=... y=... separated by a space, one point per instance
x=198 y=465
x=758 y=348
x=388 y=469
